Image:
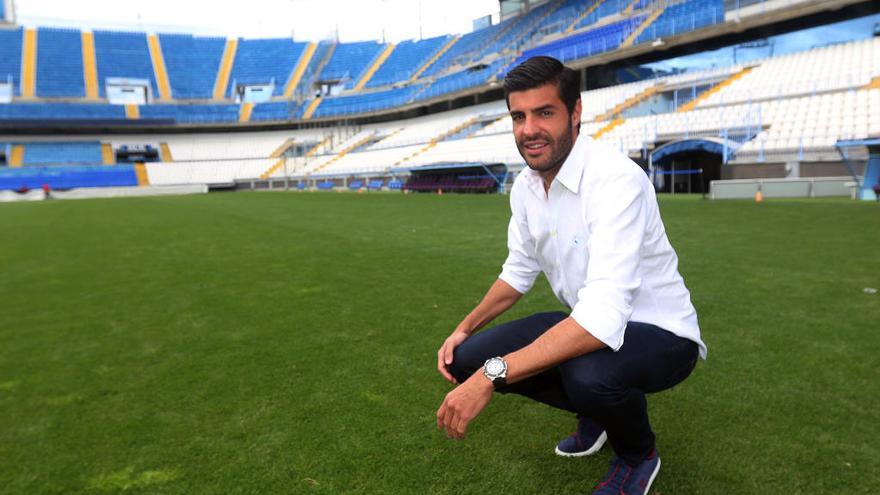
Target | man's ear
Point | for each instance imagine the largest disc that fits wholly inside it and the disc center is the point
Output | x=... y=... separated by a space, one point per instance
x=576 y=114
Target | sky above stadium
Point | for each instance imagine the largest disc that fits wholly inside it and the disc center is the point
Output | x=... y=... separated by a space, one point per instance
x=306 y=20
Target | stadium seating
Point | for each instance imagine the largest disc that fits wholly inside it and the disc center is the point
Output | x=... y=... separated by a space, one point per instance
x=350 y=60
x=790 y=107
x=365 y=102
x=10 y=56
x=407 y=57
x=192 y=64
x=585 y=44
x=191 y=114
x=274 y=111
x=465 y=49
x=62 y=153
x=69 y=177
x=59 y=63
x=261 y=61
x=61 y=111
x=123 y=55
x=829 y=68
x=521 y=29
x=605 y=9
x=458 y=81
x=682 y=17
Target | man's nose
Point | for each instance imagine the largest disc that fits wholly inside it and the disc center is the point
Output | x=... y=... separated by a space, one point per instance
x=529 y=128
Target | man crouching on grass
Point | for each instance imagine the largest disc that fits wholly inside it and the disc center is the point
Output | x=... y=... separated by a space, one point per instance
x=587 y=217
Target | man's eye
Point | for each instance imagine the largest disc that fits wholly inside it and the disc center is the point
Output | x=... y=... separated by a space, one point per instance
x=546 y=113
x=516 y=118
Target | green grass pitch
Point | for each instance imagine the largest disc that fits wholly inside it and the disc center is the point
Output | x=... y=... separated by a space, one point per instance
x=286 y=343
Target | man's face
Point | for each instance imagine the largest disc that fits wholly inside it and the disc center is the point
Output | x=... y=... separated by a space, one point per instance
x=543 y=128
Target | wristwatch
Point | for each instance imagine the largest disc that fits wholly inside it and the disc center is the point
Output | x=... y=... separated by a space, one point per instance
x=495 y=370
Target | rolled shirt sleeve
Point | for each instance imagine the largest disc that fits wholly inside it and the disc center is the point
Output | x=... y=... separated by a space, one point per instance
x=521 y=267
x=617 y=228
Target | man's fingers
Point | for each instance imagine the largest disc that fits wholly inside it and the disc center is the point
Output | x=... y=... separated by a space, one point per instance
x=444 y=359
x=441 y=414
x=451 y=429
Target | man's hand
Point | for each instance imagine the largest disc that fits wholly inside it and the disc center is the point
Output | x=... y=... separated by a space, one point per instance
x=444 y=355
x=464 y=404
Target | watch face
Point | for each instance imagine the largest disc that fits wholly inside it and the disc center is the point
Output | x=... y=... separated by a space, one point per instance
x=494 y=367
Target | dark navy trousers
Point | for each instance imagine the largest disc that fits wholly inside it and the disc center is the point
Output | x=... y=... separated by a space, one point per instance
x=604 y=385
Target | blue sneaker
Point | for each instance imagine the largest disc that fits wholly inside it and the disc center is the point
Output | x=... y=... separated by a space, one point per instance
x=623 y=479
x=587 y=440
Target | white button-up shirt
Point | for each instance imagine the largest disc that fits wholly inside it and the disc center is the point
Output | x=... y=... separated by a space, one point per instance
x=598 y=237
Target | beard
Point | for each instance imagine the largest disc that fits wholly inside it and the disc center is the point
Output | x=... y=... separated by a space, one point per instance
x=560 y=146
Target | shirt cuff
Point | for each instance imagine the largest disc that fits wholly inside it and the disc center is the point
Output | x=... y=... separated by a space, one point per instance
x=519 y=283
x=609 y=329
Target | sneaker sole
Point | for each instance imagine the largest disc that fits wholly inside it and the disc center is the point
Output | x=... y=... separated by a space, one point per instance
x=592 y=450
x=653 y=475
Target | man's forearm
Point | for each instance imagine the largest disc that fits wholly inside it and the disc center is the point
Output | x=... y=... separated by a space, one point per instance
x=498 y=299
x=566 y=340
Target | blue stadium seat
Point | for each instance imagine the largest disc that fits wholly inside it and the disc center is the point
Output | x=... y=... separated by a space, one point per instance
x=191 y=114
x=465 y=48
x=192 y=64
x=461 y=80
x=405 y=60
x=522 y=28
x=265 y=61
x=585 y=44
x=562 y=17
x=125 y=55
x=606 y=8
x=60 y=63
x=364 y=102
x=67 y=177
x=683 y=17
x=350 y=60
x=61 y=153
x=10 y=56
x=61 y=111
x=281 y=110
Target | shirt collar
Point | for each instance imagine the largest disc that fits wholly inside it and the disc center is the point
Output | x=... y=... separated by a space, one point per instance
x=573 y=168
x=569 y=174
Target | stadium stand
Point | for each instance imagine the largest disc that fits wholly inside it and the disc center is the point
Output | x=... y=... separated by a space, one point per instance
x=465 y=49
x=22 y=179
x=459 y=81
x=191 y=114
x=123 y=55
x=786 y=108
x=264 y=61
x=365 y=102
x=519 y=32
x=61 y=112
x=60 y=63
x=62 y=153
x=10 y=56
x=349 y=62
x=598 y=40
x=192 y=64
x=682 y=17
x=407 y=57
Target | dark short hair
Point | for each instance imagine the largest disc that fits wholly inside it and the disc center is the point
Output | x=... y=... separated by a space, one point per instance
x=538 y=71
